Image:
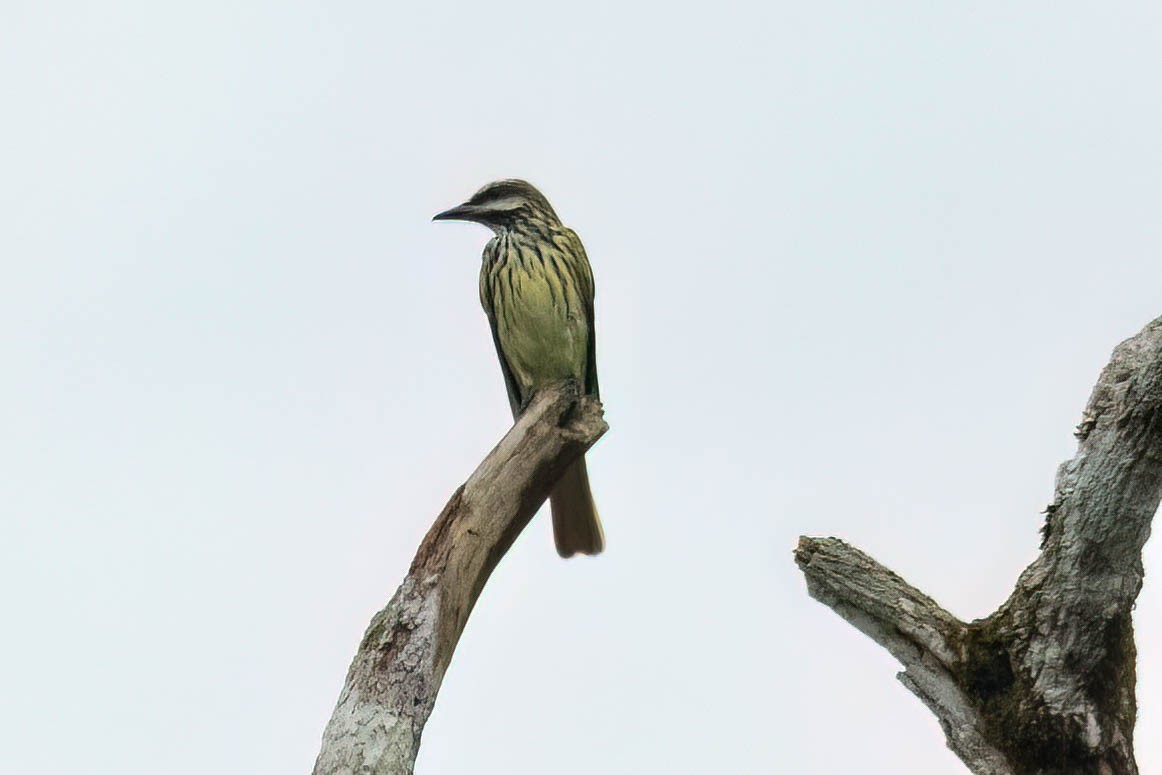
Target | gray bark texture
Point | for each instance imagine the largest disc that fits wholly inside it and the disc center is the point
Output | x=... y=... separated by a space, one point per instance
x=1045 y=684
x=392 y=683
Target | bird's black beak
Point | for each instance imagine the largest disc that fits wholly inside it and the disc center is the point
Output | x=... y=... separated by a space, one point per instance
x=464 y=212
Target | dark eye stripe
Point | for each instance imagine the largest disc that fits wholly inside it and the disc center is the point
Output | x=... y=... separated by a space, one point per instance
x=534 y=201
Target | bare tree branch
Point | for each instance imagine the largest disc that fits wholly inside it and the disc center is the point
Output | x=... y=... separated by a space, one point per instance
x=910 y=625
x=392 y=683
x=1045 y=685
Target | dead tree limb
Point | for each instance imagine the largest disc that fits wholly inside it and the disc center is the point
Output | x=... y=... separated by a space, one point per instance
x=1045 y=684
x=392 y=683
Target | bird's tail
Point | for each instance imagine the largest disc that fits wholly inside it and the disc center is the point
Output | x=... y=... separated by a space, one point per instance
x=576 y=527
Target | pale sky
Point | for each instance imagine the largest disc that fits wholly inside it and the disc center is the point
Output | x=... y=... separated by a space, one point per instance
x=858 y=267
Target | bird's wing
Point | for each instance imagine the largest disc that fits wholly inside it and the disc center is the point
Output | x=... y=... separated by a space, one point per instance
x=487 y=300
x=584 y=278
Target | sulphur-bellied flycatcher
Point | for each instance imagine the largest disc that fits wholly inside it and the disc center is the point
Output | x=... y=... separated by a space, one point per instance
x=537 y=291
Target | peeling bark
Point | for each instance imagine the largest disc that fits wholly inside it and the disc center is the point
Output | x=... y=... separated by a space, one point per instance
x=392 y=683
x=1045 y=684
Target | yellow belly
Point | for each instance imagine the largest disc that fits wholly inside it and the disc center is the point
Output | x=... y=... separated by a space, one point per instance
x=541 y=342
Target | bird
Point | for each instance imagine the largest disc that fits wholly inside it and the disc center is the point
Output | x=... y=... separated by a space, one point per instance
x=536 y=287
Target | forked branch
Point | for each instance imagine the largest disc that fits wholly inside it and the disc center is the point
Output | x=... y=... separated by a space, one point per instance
x=1045 y=685
x=392 y=683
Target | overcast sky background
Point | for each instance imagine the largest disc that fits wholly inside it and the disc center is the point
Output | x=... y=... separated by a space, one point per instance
x=857 y=271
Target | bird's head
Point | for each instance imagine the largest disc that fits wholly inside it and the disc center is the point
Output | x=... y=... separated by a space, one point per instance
x=503 y=205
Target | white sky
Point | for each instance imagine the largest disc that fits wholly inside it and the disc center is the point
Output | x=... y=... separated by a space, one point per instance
x=858 y=268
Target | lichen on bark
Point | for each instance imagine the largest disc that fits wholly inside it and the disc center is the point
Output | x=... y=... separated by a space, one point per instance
x=1045 y=685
